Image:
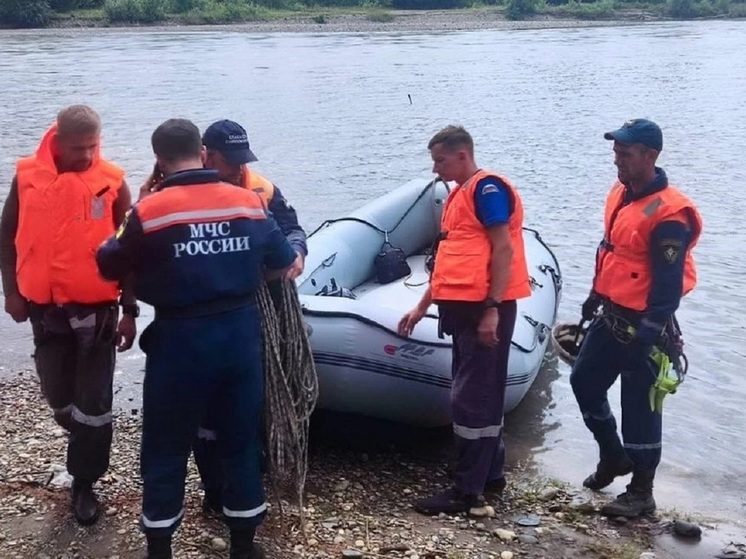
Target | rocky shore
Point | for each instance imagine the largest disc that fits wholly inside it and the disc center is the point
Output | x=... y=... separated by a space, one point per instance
x=379 y=21
x=358 y=503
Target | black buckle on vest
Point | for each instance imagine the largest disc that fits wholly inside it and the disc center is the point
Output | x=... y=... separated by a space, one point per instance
x=606 y=245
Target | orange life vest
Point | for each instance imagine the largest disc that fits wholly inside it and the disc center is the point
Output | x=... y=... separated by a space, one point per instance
x=62 y=219
x=256 y=182
x=462 y=264
x=623 y=269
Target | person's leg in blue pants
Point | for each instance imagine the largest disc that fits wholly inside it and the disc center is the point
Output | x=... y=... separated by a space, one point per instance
x=601 y=358
x=594 y=372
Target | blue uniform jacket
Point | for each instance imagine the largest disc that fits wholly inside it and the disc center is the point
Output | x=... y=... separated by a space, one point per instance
x=195 y=241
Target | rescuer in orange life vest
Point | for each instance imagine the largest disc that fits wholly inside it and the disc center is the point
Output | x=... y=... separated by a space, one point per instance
x=644 y=266
x=479 y=273
x=63 y=202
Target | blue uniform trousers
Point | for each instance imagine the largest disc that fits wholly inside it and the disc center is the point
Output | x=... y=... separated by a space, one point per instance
x=478 y=397
x=192 y=362
x=601 y=360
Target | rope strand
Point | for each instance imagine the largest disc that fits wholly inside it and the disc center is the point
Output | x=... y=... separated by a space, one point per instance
x=291 y=390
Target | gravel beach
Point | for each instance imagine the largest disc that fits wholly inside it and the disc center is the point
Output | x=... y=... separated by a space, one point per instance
x=358 y=502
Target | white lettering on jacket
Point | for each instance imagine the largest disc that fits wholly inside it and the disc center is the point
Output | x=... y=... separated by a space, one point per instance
x=211 y=238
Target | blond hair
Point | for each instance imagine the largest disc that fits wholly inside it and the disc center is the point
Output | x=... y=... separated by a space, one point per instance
x=78 y=120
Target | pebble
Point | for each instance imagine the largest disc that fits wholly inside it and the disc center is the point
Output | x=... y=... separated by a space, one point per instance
x=111 y=511
x=352 y=554
x=529 y=520
x=359 y=543
x=341 y=486
x=647 y=555
x=619 y=519
x=506 y=555
x=482 y=512
x=505 y=535
x=582 y=505
x=313 y=542
x=339 y=540
x=549 y=493
x=527 y=539
x=218 y=544
x=731 y=552
x=686 y=529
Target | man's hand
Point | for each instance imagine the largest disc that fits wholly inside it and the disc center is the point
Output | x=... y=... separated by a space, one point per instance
x=590 y=306
x=487 y=329
x=152 y=184
x=126 y=332
x=296 y=268
x=410 y=320
x=17 y=307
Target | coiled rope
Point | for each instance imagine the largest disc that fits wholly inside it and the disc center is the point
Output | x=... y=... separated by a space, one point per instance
x=291 y=389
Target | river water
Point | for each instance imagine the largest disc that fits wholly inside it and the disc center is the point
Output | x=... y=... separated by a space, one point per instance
x=337 y=119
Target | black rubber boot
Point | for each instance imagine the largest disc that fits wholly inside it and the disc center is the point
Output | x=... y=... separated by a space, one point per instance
x=637 y=500
x=607 y=471
x=451 y=501
x=243 y=546
x=212 y=505
x=85 y=504
x=159 y=547
x=496 y=487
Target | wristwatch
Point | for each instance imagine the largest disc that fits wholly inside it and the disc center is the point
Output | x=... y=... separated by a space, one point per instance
x=491 y=304
x=132 y=310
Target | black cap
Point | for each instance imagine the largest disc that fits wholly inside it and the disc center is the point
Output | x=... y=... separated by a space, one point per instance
x=231 y=140
x=638 y=131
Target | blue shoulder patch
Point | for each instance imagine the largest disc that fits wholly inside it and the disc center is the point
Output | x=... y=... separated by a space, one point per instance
x=490 y=187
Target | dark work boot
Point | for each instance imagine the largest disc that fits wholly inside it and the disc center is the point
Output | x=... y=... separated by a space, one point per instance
x=451 y=501
x=85 y=504
x=212 y=506
x=637 y=500
x=159 y=547
x=243 y=546
x=606 y=471
x=496 y=487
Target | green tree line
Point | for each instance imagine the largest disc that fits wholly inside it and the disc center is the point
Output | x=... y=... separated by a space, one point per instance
x=39 y=13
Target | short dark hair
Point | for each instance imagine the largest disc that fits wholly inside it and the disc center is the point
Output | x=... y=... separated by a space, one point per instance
x=177 y=139
x=453 y=138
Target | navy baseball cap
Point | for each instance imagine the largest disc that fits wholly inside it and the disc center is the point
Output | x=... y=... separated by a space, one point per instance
x=638 y=131
x=231 y=140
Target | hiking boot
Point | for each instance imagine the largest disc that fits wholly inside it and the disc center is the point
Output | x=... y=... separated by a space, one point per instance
x=606 y=471
x=496 y=487
x=84 y=503
x=159 y=547
x=451 y=501
x=243 y=546
x=630 y=504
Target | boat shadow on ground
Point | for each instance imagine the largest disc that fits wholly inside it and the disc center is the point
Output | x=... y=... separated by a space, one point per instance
x=357 y=439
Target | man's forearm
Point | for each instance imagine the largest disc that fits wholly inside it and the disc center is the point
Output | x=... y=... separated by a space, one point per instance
x=127 y=286
x=8 y=229
x=426 y=300
x=499 y=271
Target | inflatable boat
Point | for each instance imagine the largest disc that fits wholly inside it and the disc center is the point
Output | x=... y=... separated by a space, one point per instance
x=364 y=366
